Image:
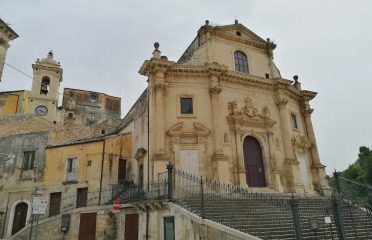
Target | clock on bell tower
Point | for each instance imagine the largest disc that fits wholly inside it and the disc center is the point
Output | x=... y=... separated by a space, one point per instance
x=47 y=76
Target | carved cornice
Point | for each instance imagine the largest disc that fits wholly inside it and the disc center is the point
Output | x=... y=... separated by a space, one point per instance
x=245 y=41
x=149 y=67
x=249 y=116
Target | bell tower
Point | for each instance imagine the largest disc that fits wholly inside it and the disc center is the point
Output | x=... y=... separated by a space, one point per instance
x=47 y=76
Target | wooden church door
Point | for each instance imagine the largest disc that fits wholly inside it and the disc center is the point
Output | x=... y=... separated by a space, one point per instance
x=253 y=161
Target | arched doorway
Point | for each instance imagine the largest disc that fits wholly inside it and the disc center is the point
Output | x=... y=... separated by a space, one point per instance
x=253 y=162
x=20 y=215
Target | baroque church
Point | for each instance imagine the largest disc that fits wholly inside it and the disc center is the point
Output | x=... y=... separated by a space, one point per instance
x=223 y=111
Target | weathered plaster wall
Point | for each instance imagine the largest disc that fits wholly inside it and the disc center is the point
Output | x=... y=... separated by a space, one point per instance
x=12 y=172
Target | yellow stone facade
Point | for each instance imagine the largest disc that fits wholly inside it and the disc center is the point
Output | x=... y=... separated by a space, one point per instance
x=229 y=106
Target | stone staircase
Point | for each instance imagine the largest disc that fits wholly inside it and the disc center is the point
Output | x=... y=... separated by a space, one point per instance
x=271 y=217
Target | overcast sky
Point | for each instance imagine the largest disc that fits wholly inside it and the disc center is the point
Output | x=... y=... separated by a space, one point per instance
x=102 y=44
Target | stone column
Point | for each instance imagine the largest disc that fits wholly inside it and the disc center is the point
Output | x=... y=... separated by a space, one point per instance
x=318 y=169
x=288 y=150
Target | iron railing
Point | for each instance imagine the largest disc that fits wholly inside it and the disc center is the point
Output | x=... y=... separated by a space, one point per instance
x=359 y=193
x=268 y=216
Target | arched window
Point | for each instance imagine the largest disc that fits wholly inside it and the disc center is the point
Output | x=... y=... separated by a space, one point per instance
x=241 y=62
x=44 y=88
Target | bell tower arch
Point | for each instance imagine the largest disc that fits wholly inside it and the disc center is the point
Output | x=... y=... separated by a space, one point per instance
x=47 y=76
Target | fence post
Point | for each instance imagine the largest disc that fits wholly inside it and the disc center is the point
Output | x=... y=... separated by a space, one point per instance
x=170 y=168
x=369 y=196
x=202 y=197
x=338 y=181
x=338 y=219
x=296 y=217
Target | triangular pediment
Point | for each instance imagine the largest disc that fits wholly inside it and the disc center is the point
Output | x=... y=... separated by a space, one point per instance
x=245 y=34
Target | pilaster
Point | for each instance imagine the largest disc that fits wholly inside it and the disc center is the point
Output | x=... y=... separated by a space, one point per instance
x=318 y=169
x=293 y=164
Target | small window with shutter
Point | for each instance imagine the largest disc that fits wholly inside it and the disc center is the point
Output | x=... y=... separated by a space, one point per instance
x=71 y=169
x=28 y=160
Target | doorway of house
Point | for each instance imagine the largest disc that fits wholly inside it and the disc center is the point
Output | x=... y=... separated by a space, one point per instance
x=87 y=228
x=122 y=170
x=131 y=226
x=20 y=215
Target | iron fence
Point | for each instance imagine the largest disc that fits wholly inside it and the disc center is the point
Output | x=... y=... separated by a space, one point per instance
x=268 y=216
x=360 y=193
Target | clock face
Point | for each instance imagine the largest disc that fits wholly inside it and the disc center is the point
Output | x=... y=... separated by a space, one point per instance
x=41 y=110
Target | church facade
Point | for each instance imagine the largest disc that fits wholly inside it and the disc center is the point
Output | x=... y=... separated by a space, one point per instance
x=224 y=112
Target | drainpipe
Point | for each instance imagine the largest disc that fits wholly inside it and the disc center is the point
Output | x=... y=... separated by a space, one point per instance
x=147 y=222
x=102 y=163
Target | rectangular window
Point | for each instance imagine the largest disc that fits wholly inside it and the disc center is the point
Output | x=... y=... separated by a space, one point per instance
x=28 y=160
x=71 y=169
x=70 y=165
x=82 y=197
x=93 y=97
x=294 y=121
x=92 y=117
x=169 y=228
x=55 y=203
x=186 y=106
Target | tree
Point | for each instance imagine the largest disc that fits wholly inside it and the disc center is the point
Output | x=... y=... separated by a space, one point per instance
x=361 y=170
x=365 y=162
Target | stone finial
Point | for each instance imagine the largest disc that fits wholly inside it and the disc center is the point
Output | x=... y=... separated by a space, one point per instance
x=236 y=21
x=156 y=53
x=206 y=22
x=297 y=84
x=50 y=54
x=156 y=45
x=295 y=77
